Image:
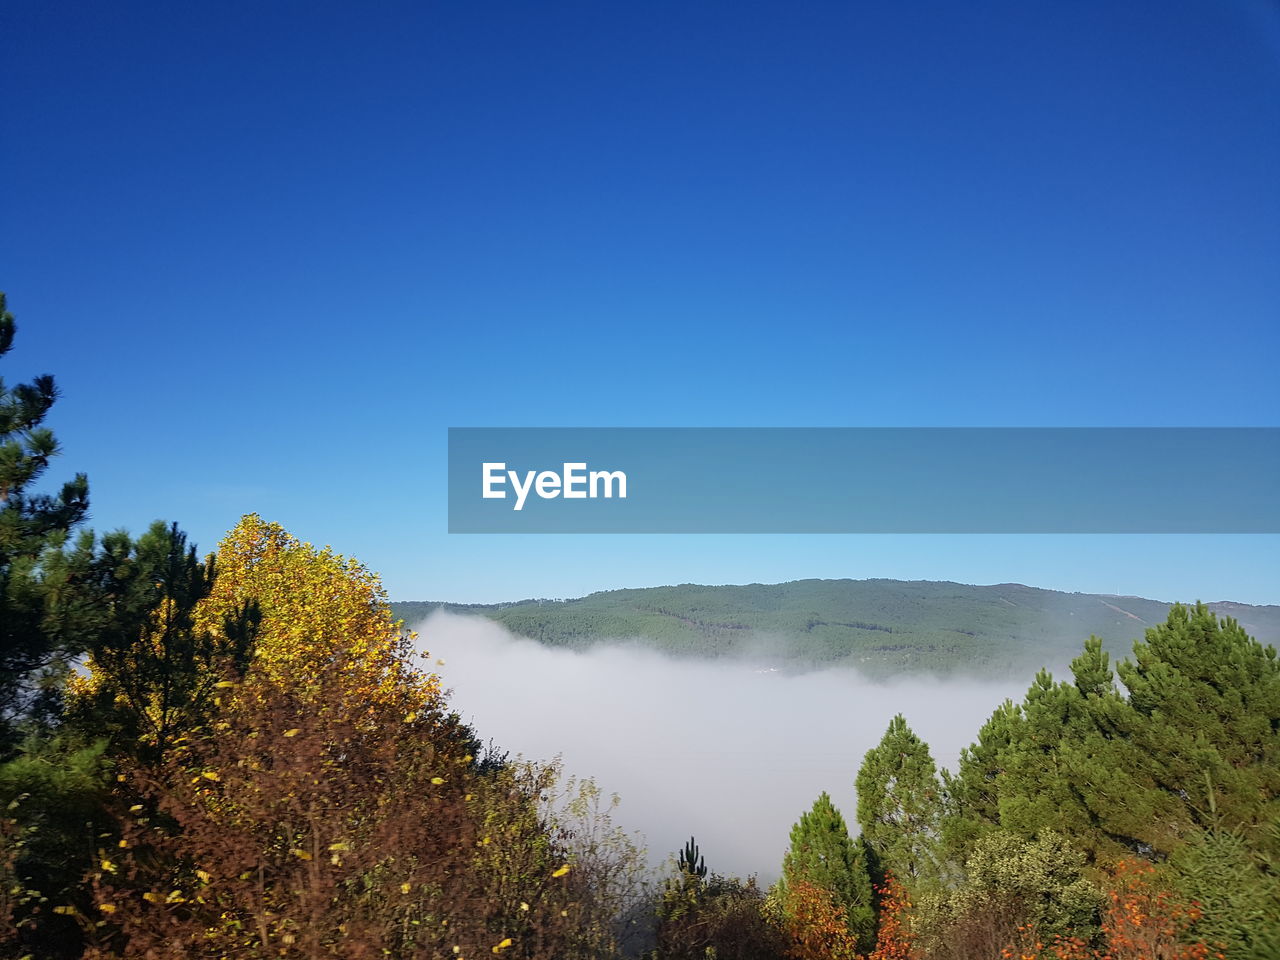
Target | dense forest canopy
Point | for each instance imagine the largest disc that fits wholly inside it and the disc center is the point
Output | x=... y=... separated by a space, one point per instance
x=882 y=627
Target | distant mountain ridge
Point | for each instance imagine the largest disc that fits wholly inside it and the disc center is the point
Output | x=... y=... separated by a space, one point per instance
x=882 y=627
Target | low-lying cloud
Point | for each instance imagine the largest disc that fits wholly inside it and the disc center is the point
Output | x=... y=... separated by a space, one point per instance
x=724 y=750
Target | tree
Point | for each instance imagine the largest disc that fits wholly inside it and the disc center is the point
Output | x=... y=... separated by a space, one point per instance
x=894 y=937
x=1010 y=882
x=315 y=605
x=1136 y=775
x=31 y=527
x=900 y=805
x=722 y=917
x=691 y=862
x=823 y=855
x=609 y=881
x=1074 y=766
x=1208 y=698
x=328 y=801
x=972 y=793
x=301 y=824
x=1237 y=890
x=152 y=673
x=815 y=924
x=1144 y=919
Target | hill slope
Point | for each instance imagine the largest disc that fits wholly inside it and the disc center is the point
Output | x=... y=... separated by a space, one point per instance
x=883 y=627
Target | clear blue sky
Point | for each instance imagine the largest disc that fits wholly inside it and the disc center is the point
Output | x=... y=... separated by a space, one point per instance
x=272 y=251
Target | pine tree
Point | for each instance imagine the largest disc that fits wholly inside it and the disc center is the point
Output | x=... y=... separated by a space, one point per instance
x=692 y=863
x=1208 y=698
x=1237 y=891
x=972 y=798
x=1074 y=768
x=824 y=854
x=1135 y=775
x=31 y=526
x=152 y=671
x=900 y=805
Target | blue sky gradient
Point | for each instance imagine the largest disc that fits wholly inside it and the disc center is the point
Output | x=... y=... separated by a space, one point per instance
x=271 y=252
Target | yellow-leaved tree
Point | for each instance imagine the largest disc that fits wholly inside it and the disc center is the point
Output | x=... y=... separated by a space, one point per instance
x=266 y=608
x=317 y=607
x=328 y=803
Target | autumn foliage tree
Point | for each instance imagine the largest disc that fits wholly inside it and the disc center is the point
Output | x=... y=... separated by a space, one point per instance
x=815 y=922
x=824 y=866
x=1143 y=919
x=722 y=917
x=304 y=825
x=330 y=803
x=894 y=938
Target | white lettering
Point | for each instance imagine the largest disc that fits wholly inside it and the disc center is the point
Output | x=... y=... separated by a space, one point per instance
x=493 y=474
x=548 y=484
x=521 y=492
x=574 y=482
x=574 y=473
x=609 y=477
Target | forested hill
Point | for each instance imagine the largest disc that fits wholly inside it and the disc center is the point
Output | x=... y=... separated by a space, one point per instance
x=884 y=627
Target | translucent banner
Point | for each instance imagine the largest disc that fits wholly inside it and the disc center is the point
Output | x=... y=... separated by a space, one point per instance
x=864 y=480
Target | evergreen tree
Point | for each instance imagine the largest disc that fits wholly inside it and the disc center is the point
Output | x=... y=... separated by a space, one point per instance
x=823 y=853
x=1238 y=893
x=152 y=669
x=1208 y=698
x=971 y=794
x=1037 y=791
x=900 y=805
x=1124 y=775
x=31 y=526
x=1075 y=768
x=692 y=864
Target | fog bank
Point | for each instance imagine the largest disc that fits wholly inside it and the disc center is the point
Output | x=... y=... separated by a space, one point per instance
x=723 y=749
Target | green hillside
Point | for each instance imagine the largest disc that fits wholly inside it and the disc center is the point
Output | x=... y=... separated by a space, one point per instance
x=884 y=627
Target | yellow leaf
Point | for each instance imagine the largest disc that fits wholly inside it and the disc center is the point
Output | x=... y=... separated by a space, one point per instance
x=561 y=872
x=223 y=684
x=203 y=875
x=437 y=780
x=135 y=808
x=340 y=845
x=294 y=732
x=300 y=854
x=406 y=887
x=107 y=907
x=503 y=945
x=152 y=897
x=123 y=844
x=108 y=866
x=211 y=775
